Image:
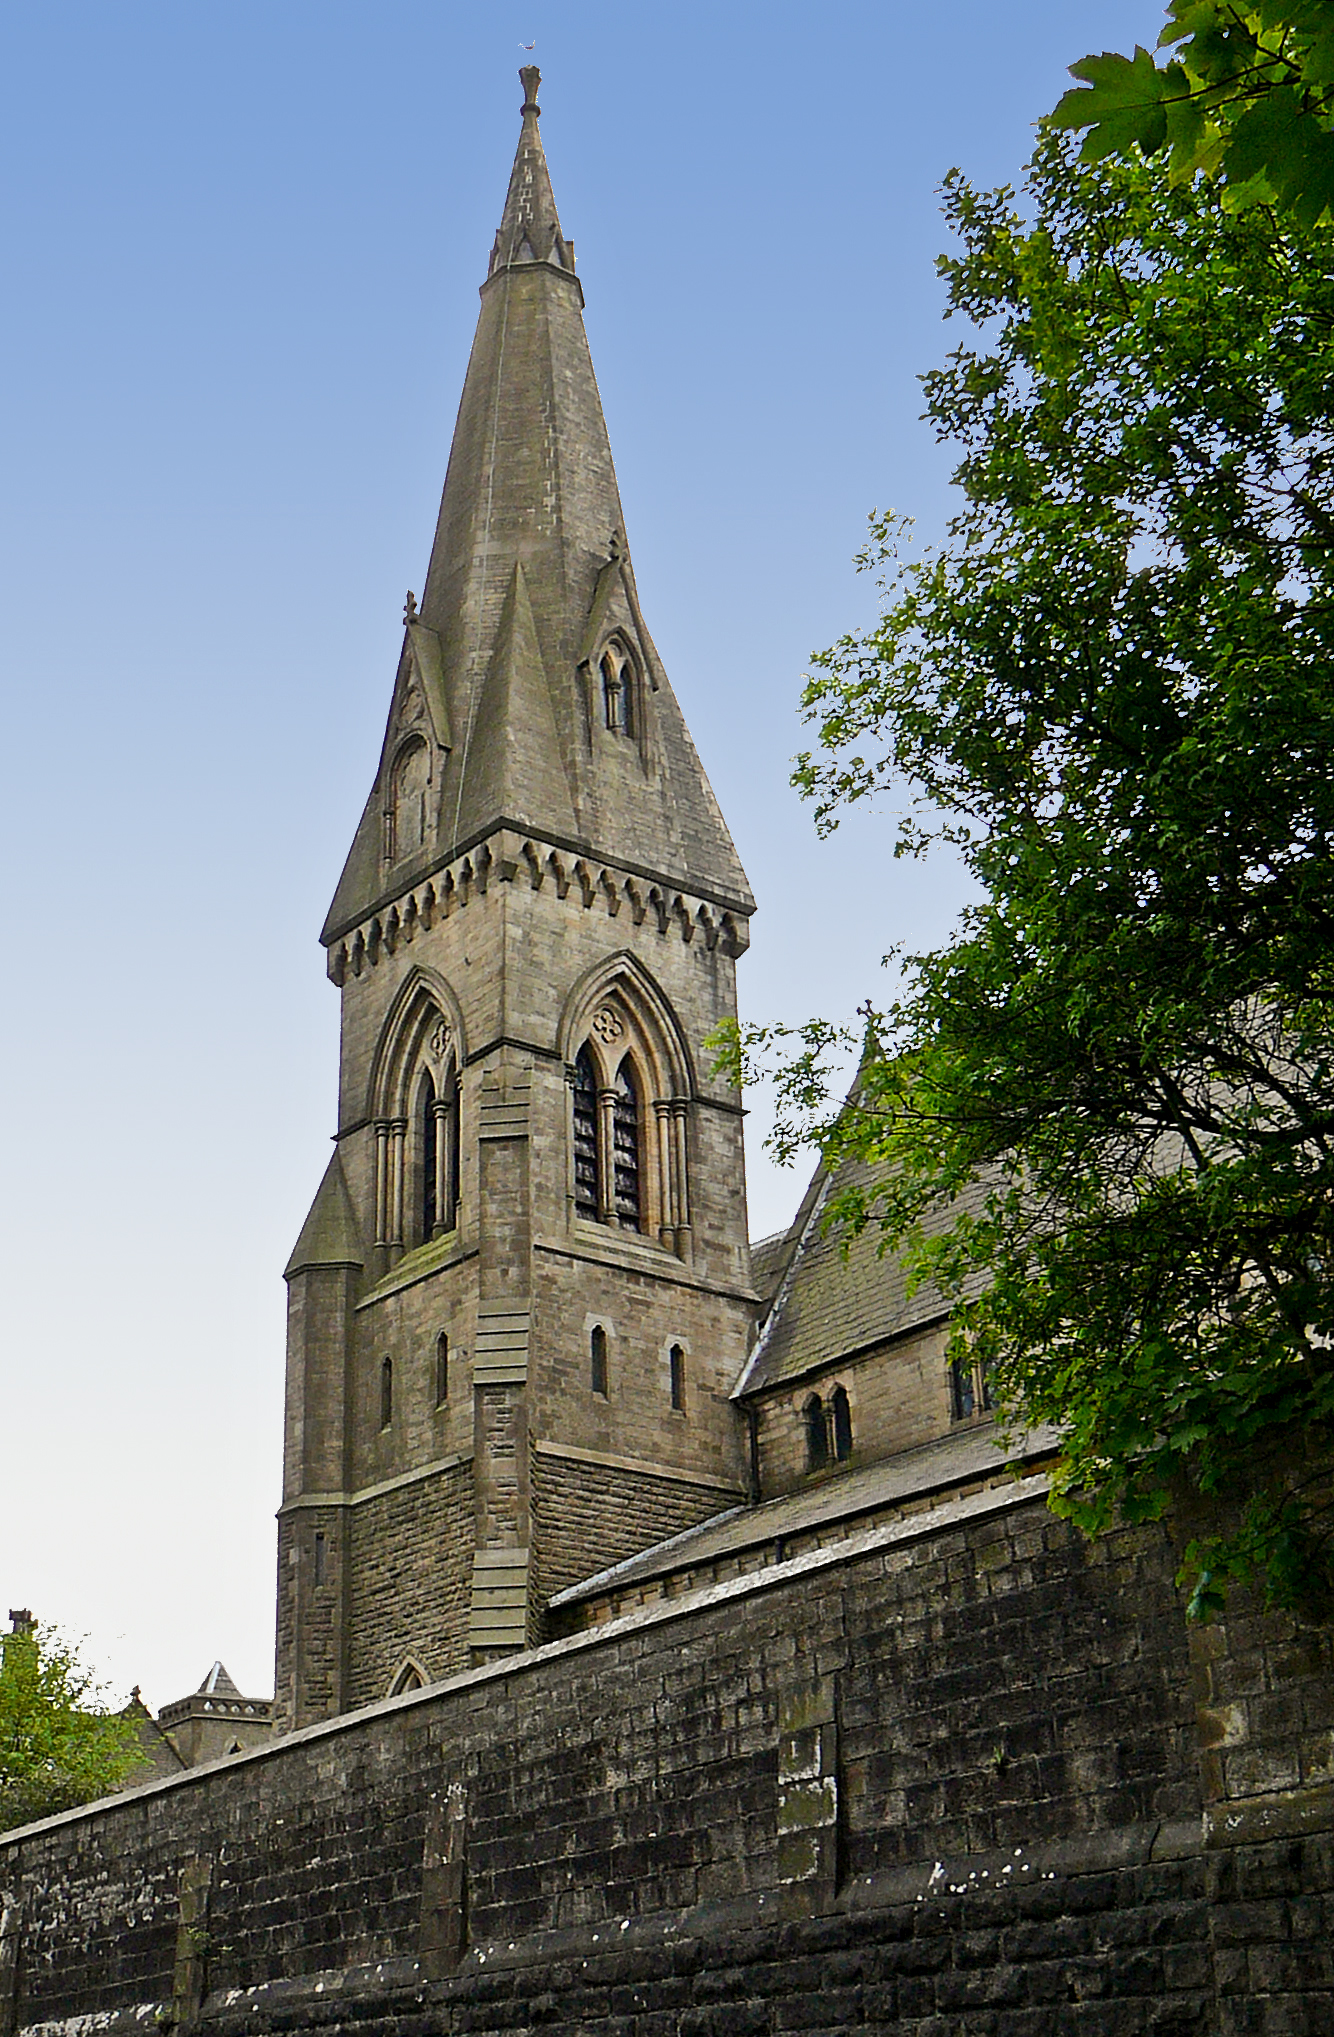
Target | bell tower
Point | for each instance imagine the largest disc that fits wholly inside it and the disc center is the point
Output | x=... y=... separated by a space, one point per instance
x=522 y=1295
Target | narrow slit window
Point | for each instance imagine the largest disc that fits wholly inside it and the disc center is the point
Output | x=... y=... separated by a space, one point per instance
x=386 y=1393
x=441 y=1369
x=817 y=1433
x=676 y=1360
x=841 y=1418
x=319 y=1557
x=625 y=1144
x=585 y=1137
x=597 y=1355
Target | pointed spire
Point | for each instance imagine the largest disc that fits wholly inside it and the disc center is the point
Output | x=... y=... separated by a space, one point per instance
x=530 y=226
x=529 y=581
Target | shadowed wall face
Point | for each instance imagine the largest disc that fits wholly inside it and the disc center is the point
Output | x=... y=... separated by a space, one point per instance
x=967 y=1724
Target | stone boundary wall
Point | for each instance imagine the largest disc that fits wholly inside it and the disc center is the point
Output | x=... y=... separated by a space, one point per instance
x=943 y=1779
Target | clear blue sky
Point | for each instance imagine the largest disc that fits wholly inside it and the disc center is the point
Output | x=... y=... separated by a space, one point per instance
x=241 y=249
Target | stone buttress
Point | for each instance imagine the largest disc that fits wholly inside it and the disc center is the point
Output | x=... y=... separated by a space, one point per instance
x=522 y=1295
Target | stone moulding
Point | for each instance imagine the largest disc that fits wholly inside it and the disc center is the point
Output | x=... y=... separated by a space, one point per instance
x=506 y=858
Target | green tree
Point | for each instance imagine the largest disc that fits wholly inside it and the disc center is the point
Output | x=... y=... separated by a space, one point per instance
x=1246 y=93
x=59 y=1745
x=1102 y=1116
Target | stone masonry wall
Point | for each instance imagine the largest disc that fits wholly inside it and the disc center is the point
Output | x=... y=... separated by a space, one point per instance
x=410 y=1556
x=610 y=1511
x=942 y=1781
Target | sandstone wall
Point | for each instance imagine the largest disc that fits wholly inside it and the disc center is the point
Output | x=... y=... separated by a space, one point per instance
x=944 y=1779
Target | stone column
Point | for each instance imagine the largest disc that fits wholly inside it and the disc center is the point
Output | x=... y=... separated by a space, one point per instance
x=398 y=1133
x=607 y=1156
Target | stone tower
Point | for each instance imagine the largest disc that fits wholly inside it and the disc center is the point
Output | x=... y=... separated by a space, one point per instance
x=522 y=1295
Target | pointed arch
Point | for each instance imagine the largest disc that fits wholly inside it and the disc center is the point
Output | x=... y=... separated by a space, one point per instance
x=631 y=1086
x=423 y=998
x=622 y=981
x=410 y=1675
x=413 y=1102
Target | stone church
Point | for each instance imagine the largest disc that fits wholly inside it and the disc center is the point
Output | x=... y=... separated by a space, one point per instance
x=523 y=1306
x=665 y=1646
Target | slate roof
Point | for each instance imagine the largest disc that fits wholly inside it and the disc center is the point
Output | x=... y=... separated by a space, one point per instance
x=829 y=1306
x=955 y=1460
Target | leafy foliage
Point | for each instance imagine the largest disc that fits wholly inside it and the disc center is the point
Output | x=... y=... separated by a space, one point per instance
x=58 y=1745
x=1248 y=93
x=1102 y=1116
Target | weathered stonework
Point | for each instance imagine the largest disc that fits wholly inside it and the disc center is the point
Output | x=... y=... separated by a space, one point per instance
x=541 y=892
x=945 y=1777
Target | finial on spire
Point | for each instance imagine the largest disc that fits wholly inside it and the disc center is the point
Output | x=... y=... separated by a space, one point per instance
x=410 y=607
x=530 y=78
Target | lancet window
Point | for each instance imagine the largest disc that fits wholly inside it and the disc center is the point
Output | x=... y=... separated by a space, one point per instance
x=629 y=1123
x=417 y=1137
x=405 y=821
x=970 y=1390
x=618 y=690
x=586 y=1200
x=828 y=1429
x=625 y=1149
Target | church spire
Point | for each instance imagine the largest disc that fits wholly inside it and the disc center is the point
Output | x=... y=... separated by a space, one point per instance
x=530 y=611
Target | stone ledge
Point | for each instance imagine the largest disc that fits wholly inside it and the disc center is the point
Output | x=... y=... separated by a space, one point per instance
x=1250 y=1821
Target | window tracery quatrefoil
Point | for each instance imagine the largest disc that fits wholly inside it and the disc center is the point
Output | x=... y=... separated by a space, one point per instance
x=607 y=1025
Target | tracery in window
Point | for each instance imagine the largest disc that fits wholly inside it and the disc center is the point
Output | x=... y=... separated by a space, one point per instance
x=618 y=690
x=629 y=1112
x=416 y=1091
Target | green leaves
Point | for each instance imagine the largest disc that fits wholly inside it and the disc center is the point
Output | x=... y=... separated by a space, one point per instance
x=1101 y=1117
x=1248 y=96
x=1122 y=102
x=58 y=1746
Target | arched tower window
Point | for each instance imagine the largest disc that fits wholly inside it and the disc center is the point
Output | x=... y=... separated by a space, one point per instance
x=817 y=1433
x=386 y=1393
x=597 y=1360
x=618 y=690
x=586 y=1171
x=441 y=1369
x=417 y=1131
x=841 y=1422
x=625 y=1149
x=630 y=1124
x=406 y=819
